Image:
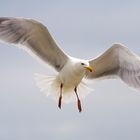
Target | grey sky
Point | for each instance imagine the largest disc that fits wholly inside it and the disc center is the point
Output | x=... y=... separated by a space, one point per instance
x=83 y=29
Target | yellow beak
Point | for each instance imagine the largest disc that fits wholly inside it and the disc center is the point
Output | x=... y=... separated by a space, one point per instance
x=89 y=68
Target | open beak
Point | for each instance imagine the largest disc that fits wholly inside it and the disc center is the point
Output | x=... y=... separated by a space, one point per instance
x=89 y=68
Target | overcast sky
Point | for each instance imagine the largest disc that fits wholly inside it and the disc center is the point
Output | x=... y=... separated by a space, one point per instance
x=83 y=29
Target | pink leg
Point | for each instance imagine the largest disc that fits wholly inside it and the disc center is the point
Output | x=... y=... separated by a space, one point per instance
x=60 y=97
x=78 y=100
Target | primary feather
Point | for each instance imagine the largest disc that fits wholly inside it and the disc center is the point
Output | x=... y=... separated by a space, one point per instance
x=34 y=37
x=117 y=62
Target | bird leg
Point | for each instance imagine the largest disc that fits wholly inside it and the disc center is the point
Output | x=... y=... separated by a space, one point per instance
x=78 y=100
x=60 y=97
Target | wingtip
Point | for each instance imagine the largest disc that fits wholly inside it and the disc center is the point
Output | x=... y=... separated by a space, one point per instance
x=2 y=19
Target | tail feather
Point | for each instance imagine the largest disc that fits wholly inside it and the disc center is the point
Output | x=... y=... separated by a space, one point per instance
x=44 y=83
x=50 y=85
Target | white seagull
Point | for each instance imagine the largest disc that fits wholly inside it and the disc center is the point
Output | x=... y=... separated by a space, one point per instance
x=68 y=84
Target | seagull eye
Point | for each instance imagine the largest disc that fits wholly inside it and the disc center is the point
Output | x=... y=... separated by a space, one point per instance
x=82 y=64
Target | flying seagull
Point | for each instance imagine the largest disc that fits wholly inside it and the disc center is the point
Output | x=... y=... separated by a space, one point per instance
x=68 y=84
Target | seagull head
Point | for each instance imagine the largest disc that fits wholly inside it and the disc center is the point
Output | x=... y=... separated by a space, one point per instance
x=84 y=66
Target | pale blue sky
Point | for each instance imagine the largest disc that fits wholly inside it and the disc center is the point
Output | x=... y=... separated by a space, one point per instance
x=83 y=29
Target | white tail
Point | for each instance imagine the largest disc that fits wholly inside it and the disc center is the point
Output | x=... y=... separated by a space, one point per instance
x=50 y=85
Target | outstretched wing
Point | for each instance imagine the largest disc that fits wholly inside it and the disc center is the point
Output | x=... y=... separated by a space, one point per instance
x=34 y=37
x=117 y=62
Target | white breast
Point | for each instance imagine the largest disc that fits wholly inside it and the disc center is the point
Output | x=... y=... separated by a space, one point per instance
x=70 y=75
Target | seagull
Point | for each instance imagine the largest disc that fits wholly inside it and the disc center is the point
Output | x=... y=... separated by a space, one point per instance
x=68 y=84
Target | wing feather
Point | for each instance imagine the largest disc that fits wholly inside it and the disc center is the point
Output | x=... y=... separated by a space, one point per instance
x=117 y=62
x=35 y=37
